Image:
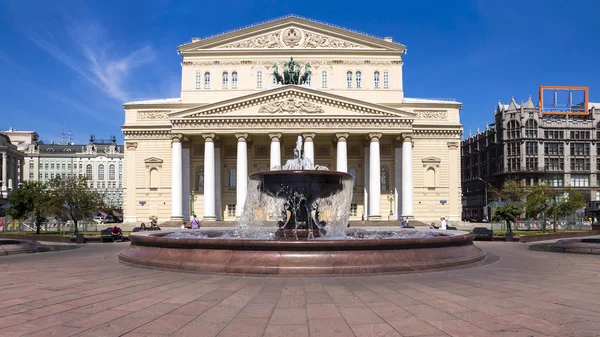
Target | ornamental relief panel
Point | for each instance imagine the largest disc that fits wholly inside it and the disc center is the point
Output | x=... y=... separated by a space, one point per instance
x=432 y=114
x=292 y=37
x=293 y=124
x=291 y=105
x=155 y=136
x=145 y=115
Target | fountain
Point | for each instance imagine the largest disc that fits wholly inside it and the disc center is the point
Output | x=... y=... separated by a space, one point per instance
x=294 y=222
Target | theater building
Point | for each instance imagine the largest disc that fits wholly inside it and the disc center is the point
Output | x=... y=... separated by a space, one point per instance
x=193 y=153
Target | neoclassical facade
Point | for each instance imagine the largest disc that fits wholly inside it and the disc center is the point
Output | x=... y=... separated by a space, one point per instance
x=193 y=154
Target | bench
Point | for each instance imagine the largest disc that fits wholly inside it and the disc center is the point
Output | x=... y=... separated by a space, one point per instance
x=482 y=233
x=138 y=229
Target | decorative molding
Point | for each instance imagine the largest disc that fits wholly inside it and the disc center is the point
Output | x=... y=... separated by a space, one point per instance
x=275 y=137
x=432 y=114
x=431 y=161
x=407 y=137
x=152 y=115
x=176 y=137
x=292 y=123
x=291 y=105
x=262 y=151
x=308 y=137
x=292 y=37
x=341 y=137
x=131 y=146
x=374 y=137
x=437 y=133
x=208 y=137
x=453 y=145
x=155 y=135
x=323 y=150
x=314 y=63
x=153 y=160
x=241 y=137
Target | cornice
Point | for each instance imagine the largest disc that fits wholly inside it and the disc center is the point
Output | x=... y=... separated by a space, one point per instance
x=314 y=63
x=437 y=133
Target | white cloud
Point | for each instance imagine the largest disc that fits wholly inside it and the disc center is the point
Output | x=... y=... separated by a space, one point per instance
x=85 y=48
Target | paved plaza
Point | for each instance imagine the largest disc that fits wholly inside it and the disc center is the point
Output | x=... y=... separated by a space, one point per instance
x=87 y=292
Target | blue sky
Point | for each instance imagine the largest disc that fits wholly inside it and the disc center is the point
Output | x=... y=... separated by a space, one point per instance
x=72 y=63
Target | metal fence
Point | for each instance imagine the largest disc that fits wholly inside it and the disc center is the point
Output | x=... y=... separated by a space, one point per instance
x=52 y=227
x=536 y=225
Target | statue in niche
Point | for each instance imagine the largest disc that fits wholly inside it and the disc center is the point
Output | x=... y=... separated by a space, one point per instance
x=383 y=177
x=200 y=186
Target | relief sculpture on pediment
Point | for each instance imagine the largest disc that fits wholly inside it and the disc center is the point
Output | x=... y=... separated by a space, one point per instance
x=292 y=38
x=271 y=40
x=291 y=106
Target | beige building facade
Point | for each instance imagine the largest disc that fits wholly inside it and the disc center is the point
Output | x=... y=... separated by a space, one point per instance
x=193 y=154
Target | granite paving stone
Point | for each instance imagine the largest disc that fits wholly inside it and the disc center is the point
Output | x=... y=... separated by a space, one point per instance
x=521 y=293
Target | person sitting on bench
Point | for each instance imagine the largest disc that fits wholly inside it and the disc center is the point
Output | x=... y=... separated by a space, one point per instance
x=117 y=234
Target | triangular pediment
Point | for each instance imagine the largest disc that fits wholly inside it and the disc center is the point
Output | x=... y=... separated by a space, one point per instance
x=291 y=100
x=153 y=160
x=291 y=32
x=431 y=160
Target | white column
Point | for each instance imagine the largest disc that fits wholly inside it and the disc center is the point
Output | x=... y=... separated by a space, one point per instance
x=342 y=152
x=366 y=179
x=309 y=146
x=374 y=178
x=407 y=178
x=275 y=150
x=398 y=178
x=241 y=173
x=218 y=183
x=209 y=177
x=186 y=191
x=4 y=172
x=129 y=191
x=177 y=179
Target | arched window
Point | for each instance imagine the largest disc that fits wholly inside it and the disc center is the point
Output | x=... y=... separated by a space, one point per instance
x=324 y=79
x=352 y=172
x=512 y=130
x=100 y=172
x=349 y=79
x=259 y=79
x=225 y=80
x=531 y=129
x=234 y=80
x=232 y=177
x=430 y=177
x=111 y=172
x=384 y=179
x=386 y=79
x=358 y=78
x=207 y=80
x=198 y=80
x=154 y=178
x=88 y=171
x=376 y=79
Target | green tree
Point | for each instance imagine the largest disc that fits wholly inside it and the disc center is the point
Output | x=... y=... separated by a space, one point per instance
x=507 y=213
x=31 y=201
x=553 y=203
x=512 y=194
x=73 y=198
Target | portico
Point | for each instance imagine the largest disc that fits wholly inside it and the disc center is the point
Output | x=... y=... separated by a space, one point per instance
x=235 y=116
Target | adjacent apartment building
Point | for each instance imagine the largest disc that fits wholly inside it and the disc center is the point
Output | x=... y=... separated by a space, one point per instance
x=557 y=145
x=101 y=161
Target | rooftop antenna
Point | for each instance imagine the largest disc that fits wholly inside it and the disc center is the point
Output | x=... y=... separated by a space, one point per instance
x=70 y=136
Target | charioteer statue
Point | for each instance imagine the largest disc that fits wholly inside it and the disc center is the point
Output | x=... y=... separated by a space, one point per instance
x=291 y=73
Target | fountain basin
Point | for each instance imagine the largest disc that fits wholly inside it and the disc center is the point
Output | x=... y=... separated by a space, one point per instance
x=311 y=257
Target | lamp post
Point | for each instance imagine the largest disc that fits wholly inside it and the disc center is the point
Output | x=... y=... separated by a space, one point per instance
x=391 y=200
x=192 y=199
x=485 y=197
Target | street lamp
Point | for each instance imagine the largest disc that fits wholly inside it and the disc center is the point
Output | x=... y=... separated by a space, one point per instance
x=192 y=199
x=485 y=197
x=391 y=200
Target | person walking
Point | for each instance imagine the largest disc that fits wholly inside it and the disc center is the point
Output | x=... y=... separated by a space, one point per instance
x=195 y=222
x=443 y=223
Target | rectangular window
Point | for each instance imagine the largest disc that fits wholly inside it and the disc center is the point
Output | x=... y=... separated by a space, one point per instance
x=514 y=149
x=386 y=79
x=353 y=209
x=324 y=79
x=580 y=180
x=531 y=148
x=52 y=166
x=580 y=164
x=514 y=164
x=554 y=149
x=554 y=164
x=232 y=177
x=597 y=198
x=531 y=163
x=555 y=180
x=358 y=78
x=580 y=149
x=554 y=134
x=580 y=135
x=231 y=210
x=349 y=79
